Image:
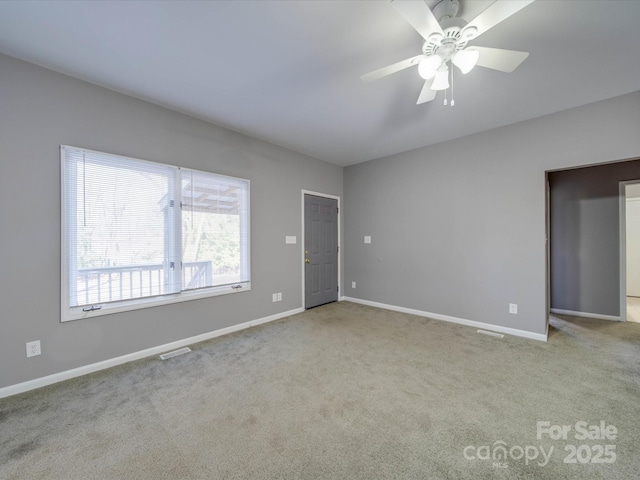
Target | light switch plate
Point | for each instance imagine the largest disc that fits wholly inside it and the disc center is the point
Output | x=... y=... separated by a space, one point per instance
x=290 y=239
x=367 y=239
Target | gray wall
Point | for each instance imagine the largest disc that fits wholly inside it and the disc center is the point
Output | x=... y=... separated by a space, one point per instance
x=458 y=228
x=585 y=237
x=41 y=109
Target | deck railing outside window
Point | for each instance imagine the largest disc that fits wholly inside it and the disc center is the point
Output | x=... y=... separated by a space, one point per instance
x=108 y=284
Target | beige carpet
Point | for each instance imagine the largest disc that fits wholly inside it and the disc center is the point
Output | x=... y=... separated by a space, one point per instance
x=342 y=391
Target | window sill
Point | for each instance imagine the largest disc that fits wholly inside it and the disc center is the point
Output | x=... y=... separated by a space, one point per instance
x=77 y=313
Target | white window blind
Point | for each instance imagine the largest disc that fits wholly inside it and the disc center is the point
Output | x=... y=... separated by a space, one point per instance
x=135 y=231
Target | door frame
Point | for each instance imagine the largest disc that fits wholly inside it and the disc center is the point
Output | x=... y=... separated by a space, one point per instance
x=547 y=251
x=302 y=256
x=622 y=211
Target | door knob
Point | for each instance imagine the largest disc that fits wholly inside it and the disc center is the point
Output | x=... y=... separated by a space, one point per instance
x=306 y=260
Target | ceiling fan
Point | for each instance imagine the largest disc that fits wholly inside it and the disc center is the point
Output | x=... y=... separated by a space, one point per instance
x=446 y=37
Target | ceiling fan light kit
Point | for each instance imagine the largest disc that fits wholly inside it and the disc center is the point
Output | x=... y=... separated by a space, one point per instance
x=428 y=66
x=465 y=60
x=441 y=80
x=446 y=37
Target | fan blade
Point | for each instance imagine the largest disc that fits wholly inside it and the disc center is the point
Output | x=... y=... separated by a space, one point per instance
x=419 y=16
x=499 y=59
x=426 y=95
x=496 y=13
x=388 y=70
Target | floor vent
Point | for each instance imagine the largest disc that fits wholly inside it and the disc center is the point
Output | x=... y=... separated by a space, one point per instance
x=175 y=353
x=491 y=334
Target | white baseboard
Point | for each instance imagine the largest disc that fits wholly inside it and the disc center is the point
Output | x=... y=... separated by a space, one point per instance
x=597 y=316
x=94 y=367
x=462 y=321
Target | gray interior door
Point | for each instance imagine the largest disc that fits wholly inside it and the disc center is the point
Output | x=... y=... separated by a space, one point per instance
x=321 y=250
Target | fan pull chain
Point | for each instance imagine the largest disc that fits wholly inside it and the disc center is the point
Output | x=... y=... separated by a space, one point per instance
x=453 y=102
x=446 y=91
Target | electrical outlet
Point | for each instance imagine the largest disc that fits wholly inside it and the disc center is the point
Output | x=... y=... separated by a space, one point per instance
x=353 y=285
x=280 y=296
x=33 y=348
x=274 y=297
x=513 y=308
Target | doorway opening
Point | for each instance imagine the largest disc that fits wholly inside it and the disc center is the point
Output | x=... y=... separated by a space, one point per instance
x=586 y=228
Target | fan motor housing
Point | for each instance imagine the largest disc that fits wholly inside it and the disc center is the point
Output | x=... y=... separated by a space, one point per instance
x=445 y=46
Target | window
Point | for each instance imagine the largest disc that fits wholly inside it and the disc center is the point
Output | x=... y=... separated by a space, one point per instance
x=137 y=233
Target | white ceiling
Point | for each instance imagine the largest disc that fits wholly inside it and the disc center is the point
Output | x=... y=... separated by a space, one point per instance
x=288 y=71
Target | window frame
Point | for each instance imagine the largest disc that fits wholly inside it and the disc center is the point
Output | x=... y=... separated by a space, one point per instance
x=69 y=313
